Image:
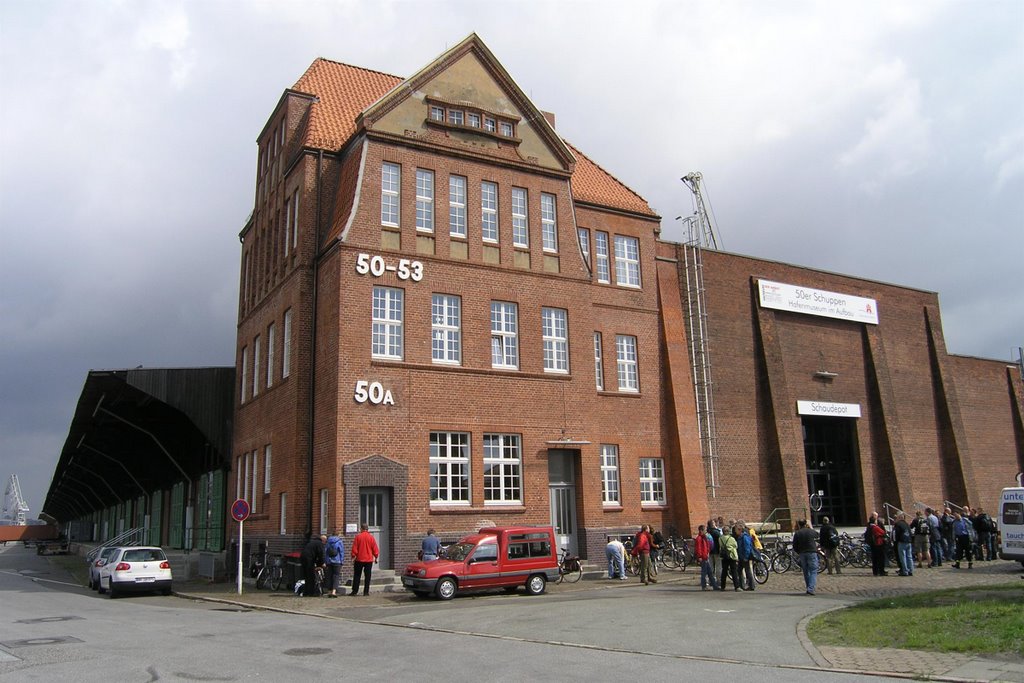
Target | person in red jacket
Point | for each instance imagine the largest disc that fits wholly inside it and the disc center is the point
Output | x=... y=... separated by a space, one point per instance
x=702 y=545
x=364 y=553
x=642 y=549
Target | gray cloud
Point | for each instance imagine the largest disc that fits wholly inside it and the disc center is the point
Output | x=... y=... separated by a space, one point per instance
x=878 y=139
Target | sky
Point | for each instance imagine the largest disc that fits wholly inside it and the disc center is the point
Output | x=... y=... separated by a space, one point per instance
x=883 y=140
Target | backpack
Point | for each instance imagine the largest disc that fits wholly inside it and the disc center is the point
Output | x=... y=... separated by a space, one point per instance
x=923 y=528
x=992 y=526
x=333 y=549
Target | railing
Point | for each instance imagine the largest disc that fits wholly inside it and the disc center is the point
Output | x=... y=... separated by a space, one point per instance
x=889 y=509
x=129 y=537
x=953 y=506
x=782 y=519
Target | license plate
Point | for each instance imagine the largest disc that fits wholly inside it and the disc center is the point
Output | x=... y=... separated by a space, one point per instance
x=145 y=579
x=406 y=581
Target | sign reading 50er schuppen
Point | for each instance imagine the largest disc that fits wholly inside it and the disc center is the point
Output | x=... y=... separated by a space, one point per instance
x=817 y=302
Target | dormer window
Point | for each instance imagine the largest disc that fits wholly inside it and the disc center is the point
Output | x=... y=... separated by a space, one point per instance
x=474 y=120
x=489 y=124
x=455 y=117
x=465 y=116
x=506 y=129
x=437 y=113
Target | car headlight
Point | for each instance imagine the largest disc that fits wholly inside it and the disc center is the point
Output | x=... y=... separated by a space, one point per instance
x=421 y=573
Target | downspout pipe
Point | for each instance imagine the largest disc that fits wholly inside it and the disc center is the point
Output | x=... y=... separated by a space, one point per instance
x=311 y=417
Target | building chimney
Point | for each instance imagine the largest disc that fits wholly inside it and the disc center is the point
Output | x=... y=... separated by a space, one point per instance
x=550 y=118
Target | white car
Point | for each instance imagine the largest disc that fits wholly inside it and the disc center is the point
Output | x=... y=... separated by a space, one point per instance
x=136 y=569
x=102 y=557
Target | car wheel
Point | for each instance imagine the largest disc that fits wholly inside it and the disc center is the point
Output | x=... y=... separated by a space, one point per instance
x=447 y=588
x=535 y=584
x=99 y=587
x=91 y=585
x=113 y=591
x=165 y=591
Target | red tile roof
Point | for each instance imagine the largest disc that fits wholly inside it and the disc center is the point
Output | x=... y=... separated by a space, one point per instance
x=344 y=91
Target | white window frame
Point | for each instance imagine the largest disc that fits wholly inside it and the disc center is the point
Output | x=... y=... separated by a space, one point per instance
x=436 y=113
x=282 y=527
x=390 y=194
x=456 y=117
x=652 y=482
x=287 y=226
x=244 y=387
x=424 y=200
x=446 y=329
x=271 y=332
x=504 y=335
x=457 y=205
x=286 y=343
x=473 y=119
x=598 y=362
x=256 y=366
x=266 y=468
x=245 y=482
x=555 y=337
x=295 y=220
x=255 y=482
x=490 y=125
x=626 y=363
x=610 y=495
x=503 y=480
x=627 y=261
x=450 y=451
x=325 y=499
x=507 y=129
x=386 y=340
x=489 y=211
x=238 y=477
x=601 y=264
x=520 y=219
x=584 y=236
x=548 y=222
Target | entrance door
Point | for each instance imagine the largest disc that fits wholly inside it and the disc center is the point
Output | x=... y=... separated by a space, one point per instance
x=562 y=491
x=375 y=512
x=830 y=451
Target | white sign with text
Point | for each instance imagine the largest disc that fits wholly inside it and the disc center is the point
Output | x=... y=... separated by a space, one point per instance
x=825 y=409
x=817 y=302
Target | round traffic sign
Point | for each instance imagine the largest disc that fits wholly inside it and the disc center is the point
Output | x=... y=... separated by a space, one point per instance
x=240 y=510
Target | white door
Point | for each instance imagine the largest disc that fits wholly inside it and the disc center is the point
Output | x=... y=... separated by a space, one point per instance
x=374 y=512
x=562 y=491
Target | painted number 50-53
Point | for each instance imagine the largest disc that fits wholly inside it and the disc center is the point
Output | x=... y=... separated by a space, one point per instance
x=376 y=266
x=374 y=392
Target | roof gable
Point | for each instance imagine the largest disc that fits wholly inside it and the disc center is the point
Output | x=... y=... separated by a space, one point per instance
x=469 y=82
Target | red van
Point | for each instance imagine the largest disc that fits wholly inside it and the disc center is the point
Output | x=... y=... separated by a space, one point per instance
x=495 y=557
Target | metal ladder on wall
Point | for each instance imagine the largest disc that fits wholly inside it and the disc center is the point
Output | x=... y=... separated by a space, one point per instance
x=701 y=234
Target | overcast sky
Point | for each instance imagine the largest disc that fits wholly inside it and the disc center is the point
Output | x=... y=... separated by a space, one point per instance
x=879 y=139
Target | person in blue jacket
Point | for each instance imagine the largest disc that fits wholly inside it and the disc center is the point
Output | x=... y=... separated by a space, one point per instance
x=335 y=558
x=745 y=550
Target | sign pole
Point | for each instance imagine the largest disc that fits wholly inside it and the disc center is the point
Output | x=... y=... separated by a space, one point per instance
x=239 y=513
x=241 y=524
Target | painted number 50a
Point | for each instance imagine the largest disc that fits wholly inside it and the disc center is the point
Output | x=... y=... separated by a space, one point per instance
x=374 y=392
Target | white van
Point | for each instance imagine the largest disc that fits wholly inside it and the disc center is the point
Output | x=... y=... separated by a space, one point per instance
x=1011 y=524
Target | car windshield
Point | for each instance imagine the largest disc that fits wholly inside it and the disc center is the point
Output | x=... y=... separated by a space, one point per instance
x=144 y=555
x=459 y=551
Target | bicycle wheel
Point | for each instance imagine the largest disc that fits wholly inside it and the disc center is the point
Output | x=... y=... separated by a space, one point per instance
x=572 y=573
x=276 y=578
x=670 y=558
x=632 y=565
x=261 y=578
x=761 y=571
x=815 y=502
x=782 y=563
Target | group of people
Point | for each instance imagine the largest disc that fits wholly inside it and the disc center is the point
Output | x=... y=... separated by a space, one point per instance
x=327 y=553
x=931 y=538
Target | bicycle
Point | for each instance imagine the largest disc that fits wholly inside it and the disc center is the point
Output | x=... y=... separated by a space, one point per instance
x=569 y=567
x=267 y=573
x=676 y=554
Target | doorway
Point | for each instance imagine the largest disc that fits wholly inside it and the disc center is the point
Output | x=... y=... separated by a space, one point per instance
x=562 y=493
x=833 y=473
x=375 y=513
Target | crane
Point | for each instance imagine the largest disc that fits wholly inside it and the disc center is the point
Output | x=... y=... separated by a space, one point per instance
x=15 y=510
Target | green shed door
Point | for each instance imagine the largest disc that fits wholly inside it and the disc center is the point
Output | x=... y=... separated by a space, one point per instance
x=215 y=538
x=156 y=510
x=177 y=521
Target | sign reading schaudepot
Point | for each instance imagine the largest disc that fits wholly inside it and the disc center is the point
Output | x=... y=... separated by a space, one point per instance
x=825 y=409
x=817 y=302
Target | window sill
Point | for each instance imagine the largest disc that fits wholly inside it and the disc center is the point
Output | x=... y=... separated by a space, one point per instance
x=611 y=508
x=621 y=394
x=475 y=510
x=653 y=506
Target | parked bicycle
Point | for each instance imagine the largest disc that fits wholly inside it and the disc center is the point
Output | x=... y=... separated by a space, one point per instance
x=676 y=554
x=267 y=570
x=569 y=567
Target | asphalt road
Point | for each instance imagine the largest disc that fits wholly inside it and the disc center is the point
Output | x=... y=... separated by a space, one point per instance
x=52 y=628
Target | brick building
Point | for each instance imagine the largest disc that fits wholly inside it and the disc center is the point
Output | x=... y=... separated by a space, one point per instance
x=451 y=317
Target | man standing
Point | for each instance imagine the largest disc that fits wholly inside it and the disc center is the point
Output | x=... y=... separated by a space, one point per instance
x=828 y=538
x=805 y=544
x=364 y=553
x=715 y=532
x=874 y=536
x=430 y=547
x=642 y=550
x=902 y=537
x=962 y=535
x=946 y=527
x=311 y=557
x=616 y=554
x=335 y=551
x=935 y=539
x=744 y=554
x=922 y=532
x=702 y=551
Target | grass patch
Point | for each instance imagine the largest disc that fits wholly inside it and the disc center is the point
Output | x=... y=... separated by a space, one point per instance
x=987 y=620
